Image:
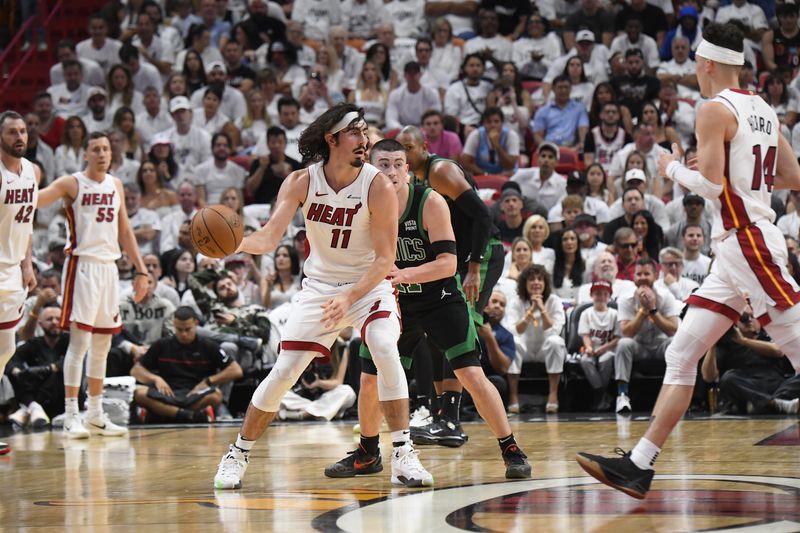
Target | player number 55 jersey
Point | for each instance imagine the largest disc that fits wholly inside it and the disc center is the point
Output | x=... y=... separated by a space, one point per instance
x=92 y=219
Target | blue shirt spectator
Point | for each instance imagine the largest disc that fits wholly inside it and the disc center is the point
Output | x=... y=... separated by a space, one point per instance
x=562 y=121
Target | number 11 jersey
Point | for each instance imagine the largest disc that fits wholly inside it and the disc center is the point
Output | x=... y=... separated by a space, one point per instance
x=92 y=220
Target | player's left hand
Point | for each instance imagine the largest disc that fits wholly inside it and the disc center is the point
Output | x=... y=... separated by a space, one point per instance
x=28 y=277
x=139 y=288
x=665 y=159
x=472 y=286
x=334 y=309
x=398 y=276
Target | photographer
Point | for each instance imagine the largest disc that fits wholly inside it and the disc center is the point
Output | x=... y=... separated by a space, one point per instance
x=180 y=375
x=322 y=398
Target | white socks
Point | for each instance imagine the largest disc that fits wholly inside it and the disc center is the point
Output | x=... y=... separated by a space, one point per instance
x=71 y=406
x=94 y=406
x=645 y=453
x=400 y=437
x=244 y=444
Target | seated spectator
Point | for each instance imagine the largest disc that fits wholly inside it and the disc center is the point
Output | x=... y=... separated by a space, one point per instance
x=370 y=95
x=71 y=96
x=563 y=213
x=489 y=44
x=146 y=224
x=776 y=94
x=268 y=171
x=688 y=28
x=283 y=283
x=626 y=247
x=408 y=102
x=156 y=42
x=97 y=117
x=536 y=49
x=750 y=14
x=582 y=89
x=171 y=223
x=586 y=227
x=155 y=196
x=163 y=290
x=194 y=74
x=348 y=58
x=48 y=293
x=789 y=224
x=676 y=113
x=512 y=98
x=317 y=17
x=143 y=323
x=665 y=136
x=563 y=121
x=605 y=268
x=289 y=122
x=542 y=183
x=696 y=264
x=599 y=331
x=179 y=266
x=440 y=141
x=753 y=374
x=651 y=238
x=379 y=55
x=518 y=257
x=162 y=153
x=191 y=145
x=597 y=184
x=529 y=205
x=653 y=19
x=180 y=374
x=321 y=392
x=638 y=179
x=197 y=41
x=232 y=103
x=125 y=122
x=538 y=317
x=777 y=44
x=69 y=155
x=537 y=231
x=143 y=74
x=361 y=17
x=247 y=276
x=233 y=198
x=51 y=126
x=314 y=97
x=511 y=224
x=604 y=93
x=595 y=59
x=93 y=74
x=446 y=56
x=239 y=75
x=254 y=123
x=633 y=39
x=208 y=116
x=680 y=69
x=435 y=79
x=122 y=166
x=605 y=139
x=492 y=148
x=36 y=373
x=648 y=319
x=635 y=86
x=694 y=214
x=671 y=278
x=121 y=91
x=632 y=201
x=568 y=267
x=213 y=176
x=38 y=150
x=466 y=99
x=498 y=349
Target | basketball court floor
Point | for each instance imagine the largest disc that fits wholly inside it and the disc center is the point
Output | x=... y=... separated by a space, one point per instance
x=718 y=474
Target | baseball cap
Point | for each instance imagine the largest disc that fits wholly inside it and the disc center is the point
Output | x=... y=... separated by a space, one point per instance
x=576 y=178
x=584 y=35
x=510 y=192
x=160 y=138
x=552 y=146
x=635 y=174
x=691 y=197
x=277 y=46
x=236 y=259
x=687 y=11
x=179 y=102
x=585 y=218
x=601 y=284
x=216 y=64
x=95 y=91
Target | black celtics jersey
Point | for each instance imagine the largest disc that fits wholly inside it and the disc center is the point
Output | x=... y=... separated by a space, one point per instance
x=462 y=224
x=414 y=249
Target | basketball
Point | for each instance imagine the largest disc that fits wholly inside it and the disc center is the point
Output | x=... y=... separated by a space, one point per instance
x=217 y=231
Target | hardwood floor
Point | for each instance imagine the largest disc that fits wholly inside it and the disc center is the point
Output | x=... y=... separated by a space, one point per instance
x=715 y=474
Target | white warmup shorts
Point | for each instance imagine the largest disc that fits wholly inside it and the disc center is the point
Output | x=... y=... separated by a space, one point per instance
x=749 y=267
x=12 y=296
x=304 y=331
x=90 y=295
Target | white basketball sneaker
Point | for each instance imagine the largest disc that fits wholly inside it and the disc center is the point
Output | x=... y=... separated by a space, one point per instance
x=104 y=427
x=73 y=427
x=407 y=470
x=623 y=403
x=38 y=417
x=231 y=469
x=420 y=417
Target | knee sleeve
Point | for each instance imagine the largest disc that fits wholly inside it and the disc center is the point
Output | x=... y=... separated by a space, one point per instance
x=381 y=337
x=79 y=341
x=7 y=348
x=287 y=370
x=98 y=355
x=699 y=330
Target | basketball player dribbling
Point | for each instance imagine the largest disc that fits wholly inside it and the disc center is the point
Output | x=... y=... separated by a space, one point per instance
x=741 y=156
x=19 y=179
x=432 y=303
x=97 y=224
x=346 y=203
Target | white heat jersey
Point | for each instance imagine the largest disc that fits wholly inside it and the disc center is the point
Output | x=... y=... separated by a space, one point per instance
x=750 y=161
x=92 y=220
x=600 y=326
x=18 y=196
x=338 y=227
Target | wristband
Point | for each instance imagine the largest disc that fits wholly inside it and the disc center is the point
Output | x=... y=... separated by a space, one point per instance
x=693 y=180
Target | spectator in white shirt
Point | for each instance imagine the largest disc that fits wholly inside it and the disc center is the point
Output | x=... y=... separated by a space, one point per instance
x=492 y=47
x=98 y=46
x=696 y=264
x=536 y=50
x=289 y=121
x=789 y=224
x=680 y=69
x=295 y=37
x=751 y=15
x=466 y=99
x=408 y=102
x=209 y=116
x=542 y=183
x=172 y=222
x=145 y=223
x=217 y=174
x=39 y=151
x=69 y=154
x=92 y=73
x=154 y=50
x=446 y=56
x=71 y=96
x=144 y=74
x=317 y=16
x=672 y=278
x=350 y=59
x=97 y=118
x=121 y=92
x=361 y=17
x=191 y=145
x=408 y=17
x=634 y=38
x=199 y=40
x=233 y=103
x=154 y=119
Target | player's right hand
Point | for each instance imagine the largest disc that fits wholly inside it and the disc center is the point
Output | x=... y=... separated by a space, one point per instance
x=139 y=288
x=664 y=159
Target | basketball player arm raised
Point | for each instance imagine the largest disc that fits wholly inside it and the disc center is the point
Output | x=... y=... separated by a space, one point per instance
x=436 y=218
x=127 y=240
x=383 y=229
x=447 y=179
x=290 y=196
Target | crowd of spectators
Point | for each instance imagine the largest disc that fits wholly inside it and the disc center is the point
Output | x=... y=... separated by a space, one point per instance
x=570 y=102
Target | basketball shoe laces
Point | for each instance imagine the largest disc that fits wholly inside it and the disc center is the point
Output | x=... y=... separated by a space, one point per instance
x=410 y=461
x=232 y=465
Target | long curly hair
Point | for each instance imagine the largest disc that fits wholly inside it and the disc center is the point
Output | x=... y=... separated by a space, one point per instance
x=529 y=272
x=312 y=144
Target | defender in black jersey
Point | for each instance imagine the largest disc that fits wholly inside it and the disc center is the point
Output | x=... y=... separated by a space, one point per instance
x=432 y=304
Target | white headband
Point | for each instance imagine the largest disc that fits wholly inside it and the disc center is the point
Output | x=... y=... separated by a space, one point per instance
x=344 y=122
x=719 y=54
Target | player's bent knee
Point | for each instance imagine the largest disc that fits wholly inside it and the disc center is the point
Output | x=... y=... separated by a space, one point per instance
x=682 y=356
x=287 y=370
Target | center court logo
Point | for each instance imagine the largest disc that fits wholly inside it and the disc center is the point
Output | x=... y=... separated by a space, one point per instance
x=676 y=503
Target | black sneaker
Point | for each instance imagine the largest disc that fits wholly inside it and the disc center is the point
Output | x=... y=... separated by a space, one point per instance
x=442 y=432
x=617 y=472
x=357 y=463
x=517 y=466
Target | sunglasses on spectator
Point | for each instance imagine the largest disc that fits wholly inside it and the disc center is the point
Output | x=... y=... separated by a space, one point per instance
x=628 y=244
